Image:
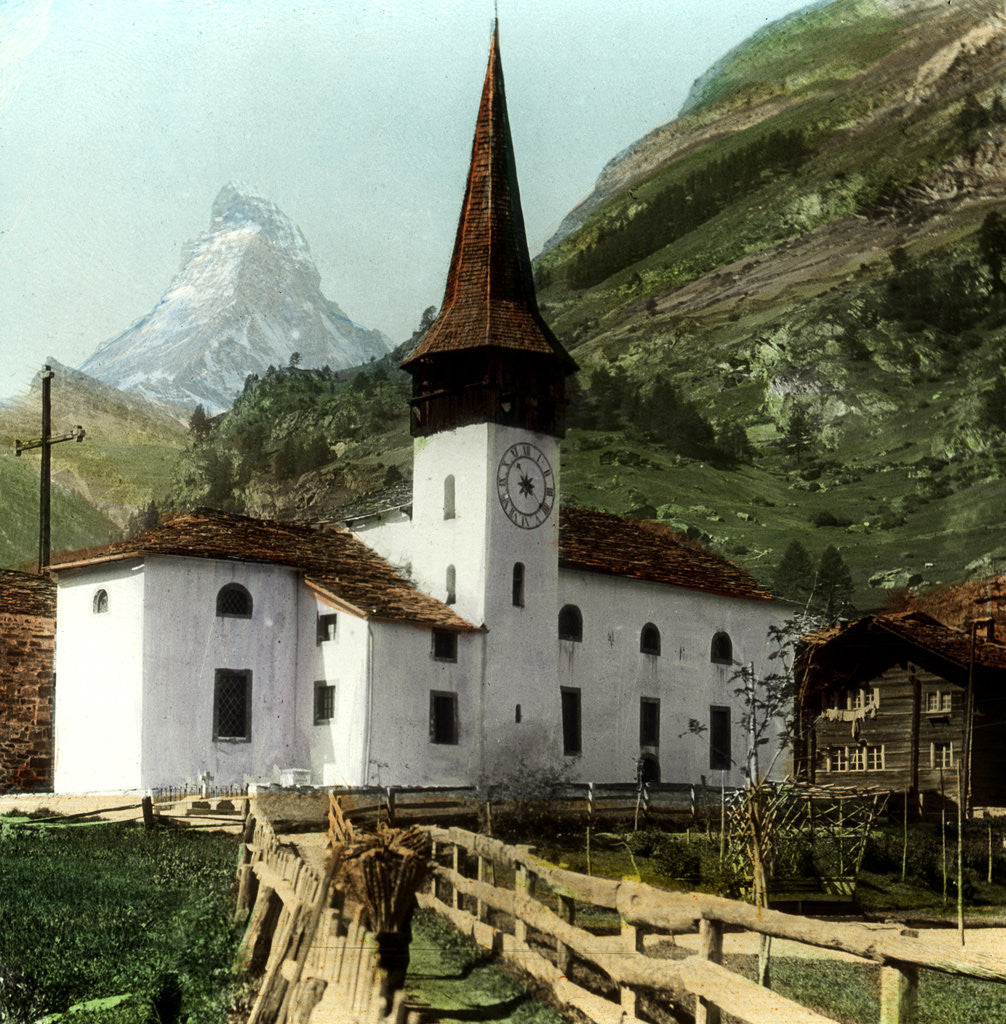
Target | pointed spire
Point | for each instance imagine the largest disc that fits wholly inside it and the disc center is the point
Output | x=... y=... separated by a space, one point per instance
x=490 y=300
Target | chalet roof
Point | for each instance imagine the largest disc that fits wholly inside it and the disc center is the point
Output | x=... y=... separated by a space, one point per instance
x=818 y=666
x=23 y=593
x=961 y=603
x=602 y=542
x=335 y=563
x=490 y=300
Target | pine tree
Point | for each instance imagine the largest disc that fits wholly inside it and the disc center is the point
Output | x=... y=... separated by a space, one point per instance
x=992 y=245
x=833 y=587
x=794 y=576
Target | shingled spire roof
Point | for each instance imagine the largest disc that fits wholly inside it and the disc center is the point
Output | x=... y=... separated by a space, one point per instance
x=490 y=300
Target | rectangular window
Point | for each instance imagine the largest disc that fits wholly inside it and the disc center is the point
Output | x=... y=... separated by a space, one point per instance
x=649 y=722
x=938 y=702
x=232 y=705
x=719 y=738
x=857 y=759
x=838 y=759
x=857 y=699
x=445 y=645
x=571 y=738
x=324 y=702
x=443 y=717
x=941 y=754
x=326 y=627
x=875 y=758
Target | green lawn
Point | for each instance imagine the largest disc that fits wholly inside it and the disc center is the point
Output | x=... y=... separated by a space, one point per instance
x=111 y=911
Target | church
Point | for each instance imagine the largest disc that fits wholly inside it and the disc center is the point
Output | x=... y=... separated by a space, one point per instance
x=480 y=629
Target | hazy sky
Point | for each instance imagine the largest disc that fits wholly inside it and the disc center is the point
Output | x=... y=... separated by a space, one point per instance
x=121 y=119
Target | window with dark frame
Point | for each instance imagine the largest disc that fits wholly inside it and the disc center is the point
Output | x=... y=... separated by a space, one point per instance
x=719 y=738
x=324 y=702
x=572 y=743
x=570 y=623
x=445 y=645
x=518 y=585
x=649 y=722
x=721 y=650
x=233 y=601
x=100 y=603
x=326 y=627
x=232 y=705
x=450 y=585
x=443 y=717
x=649 y=639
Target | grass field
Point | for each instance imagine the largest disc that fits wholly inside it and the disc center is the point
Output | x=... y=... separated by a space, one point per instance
x=140 y=921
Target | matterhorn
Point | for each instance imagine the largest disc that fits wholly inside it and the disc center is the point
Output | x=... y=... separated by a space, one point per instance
x=247 y=297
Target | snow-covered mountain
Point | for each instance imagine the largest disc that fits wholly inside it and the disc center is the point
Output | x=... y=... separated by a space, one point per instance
x=247 y=296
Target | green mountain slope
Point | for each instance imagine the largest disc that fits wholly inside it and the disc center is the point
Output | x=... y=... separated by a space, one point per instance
x=788 y=306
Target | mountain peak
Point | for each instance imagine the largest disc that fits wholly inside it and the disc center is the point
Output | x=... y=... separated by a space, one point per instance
x=247 y=297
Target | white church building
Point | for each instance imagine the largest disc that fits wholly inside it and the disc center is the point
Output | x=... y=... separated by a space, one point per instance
x=444 y=642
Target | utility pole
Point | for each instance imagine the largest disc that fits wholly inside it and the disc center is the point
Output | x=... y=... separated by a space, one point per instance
x=45 y=442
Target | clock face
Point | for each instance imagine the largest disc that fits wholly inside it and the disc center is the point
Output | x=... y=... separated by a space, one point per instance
x=525 y=485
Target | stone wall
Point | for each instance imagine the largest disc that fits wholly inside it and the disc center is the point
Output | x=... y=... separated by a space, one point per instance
x=27 y=631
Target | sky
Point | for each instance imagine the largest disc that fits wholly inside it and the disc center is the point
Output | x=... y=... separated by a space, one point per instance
x=120 y=120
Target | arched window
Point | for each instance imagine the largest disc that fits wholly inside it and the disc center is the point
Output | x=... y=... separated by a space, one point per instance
x=449 y=497
x=722 y=649
x=99 y=605
x=570 y=623
x=649 y=639
x=234 y=601
x=518 y=585
x=452 y=594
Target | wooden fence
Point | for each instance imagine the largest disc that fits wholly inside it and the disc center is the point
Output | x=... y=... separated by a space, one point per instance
x=317 y=963
x=520 y=923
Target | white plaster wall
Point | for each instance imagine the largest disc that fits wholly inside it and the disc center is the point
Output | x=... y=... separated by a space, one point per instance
x=98 y=668
x=399 y=751
x=390 y=535
x=336 y=749
x=185 y=643
x=613 y=675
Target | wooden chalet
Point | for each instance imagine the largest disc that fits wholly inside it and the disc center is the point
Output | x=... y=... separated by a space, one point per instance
x=903 y=703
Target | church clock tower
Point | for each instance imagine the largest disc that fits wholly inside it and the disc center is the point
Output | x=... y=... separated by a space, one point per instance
x=487 y=410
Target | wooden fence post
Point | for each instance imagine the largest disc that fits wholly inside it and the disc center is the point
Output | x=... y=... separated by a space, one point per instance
x=632 y=942
x=456 y=864
x=899 y=990
x=524 y=882
x=710 y=948
x=567 y=911
x=483 y=875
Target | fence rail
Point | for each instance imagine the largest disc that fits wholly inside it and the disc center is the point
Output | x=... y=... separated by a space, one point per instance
x=699 y=979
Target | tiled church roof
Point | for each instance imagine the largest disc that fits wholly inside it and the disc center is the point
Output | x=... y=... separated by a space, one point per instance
x=602 y=542
x=490 y=299
x=334 y=562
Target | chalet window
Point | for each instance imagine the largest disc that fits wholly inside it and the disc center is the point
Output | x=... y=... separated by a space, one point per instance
x=719 y=738
x=324 y=702
x=451 y=585
x=232 y=705
x=572 y=744
x=856 y=700
x=443 y=717
x=938 y=702
x=838 y=759
x=99 y=605
x=941 y=754
x=649 y=639
x=326 y=627
x=649 y=722
x=449 y=497
x=857 y=759
x=518 y=585
x=570 y=623
x=875 y=758
x=234 y=601
x=445 y=645
x=721 y=650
